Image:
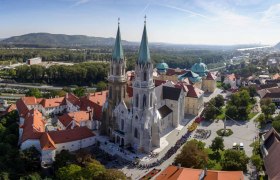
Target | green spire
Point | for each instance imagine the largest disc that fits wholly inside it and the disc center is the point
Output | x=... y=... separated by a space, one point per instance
x=118 y=50
x=144 y=52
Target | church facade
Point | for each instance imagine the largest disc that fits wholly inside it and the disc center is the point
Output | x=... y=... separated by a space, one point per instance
x=140 y=117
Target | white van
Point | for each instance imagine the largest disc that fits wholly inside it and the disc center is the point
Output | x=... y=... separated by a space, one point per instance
x=241 y=147
x=234 y=145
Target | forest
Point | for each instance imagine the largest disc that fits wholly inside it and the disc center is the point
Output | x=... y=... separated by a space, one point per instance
x=79 y=74
x=174 y=58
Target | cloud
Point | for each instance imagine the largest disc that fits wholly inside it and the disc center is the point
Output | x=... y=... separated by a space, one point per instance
x=79 y=2
x=186 y=11
x=272 y=14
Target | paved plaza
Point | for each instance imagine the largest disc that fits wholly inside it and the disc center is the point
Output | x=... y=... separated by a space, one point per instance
x=243 y=132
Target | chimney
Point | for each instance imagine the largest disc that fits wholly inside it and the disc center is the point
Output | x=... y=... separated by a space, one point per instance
x=179 y=165
x=101 y=92
x=66 y=95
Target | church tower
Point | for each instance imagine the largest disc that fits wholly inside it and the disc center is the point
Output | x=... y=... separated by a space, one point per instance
x=116 y=85
x=143 y=98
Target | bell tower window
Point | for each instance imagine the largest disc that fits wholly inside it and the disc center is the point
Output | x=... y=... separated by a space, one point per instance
x=145 y=76
x=144 y=101
x=137 y=100
x=136 y=133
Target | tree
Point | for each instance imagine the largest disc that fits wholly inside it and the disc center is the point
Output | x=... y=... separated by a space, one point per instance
x=192 y=155
x=101 y=86
x=112 y=174
x=63 y=158
x=261 y=118
x=268 y=110
x=34 y=92
x=234 y=160
x=219 y=101
x=217 y=144
x=210 y=112
x=69 y=172
x=257 y=161
x=33 y=176
x=4 y=176
x=93 y=169
x=31 y=159
x=79 y=91
x=231 y=112
x=276 y=125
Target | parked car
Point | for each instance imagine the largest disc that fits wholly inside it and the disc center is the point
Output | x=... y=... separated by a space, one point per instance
x=241 y=146
x=234 y=145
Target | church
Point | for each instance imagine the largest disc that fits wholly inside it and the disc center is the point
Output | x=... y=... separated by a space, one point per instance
x=139 y=111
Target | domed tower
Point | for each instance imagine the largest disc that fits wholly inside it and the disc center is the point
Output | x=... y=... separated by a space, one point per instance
x=116 y=84
x=200 y=68
x=162 y=67
x=144 y=100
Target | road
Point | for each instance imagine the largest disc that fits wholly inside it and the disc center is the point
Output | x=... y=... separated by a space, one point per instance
x=46 y=87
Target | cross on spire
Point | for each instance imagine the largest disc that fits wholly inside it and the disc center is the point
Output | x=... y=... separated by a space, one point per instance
x=119 y=21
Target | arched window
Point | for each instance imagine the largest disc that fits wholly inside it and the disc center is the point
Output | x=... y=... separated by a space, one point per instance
x=144 y=101
x=123 y=92
x=137 y=100
x=110 y=92
x=122 y=125
x=151 y=100
x=118 y=70
x=145 y=76
x=136 y=133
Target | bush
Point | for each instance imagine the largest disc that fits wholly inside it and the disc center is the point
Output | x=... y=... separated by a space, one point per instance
x=228 y=132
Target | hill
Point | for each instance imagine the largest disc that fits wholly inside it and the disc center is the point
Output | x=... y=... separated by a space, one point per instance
x=277 y=46
x=58 y=40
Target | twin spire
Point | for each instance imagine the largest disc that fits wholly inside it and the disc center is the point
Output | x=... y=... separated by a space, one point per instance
x=144 y=52
x=118 y=50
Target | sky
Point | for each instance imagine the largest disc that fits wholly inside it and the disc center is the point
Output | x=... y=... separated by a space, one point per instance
x=216 y=22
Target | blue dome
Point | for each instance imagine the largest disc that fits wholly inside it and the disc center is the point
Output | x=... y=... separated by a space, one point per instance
x=200 y=68
x=162 y=66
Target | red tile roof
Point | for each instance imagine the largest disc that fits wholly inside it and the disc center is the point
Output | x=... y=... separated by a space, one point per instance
x=194 y=91
x=80 y=116
x=176 y=173
x=46 y=142
x=211 y=76
x=70 y=135
x=231 y=77
x=33 y=125
x=54 y=102
x=177 y=71
x=65 y=119
x=73 y=99
x=95 y=101
x=159 y=82
x=29 y=100
x=11 y=108
x=183 y=86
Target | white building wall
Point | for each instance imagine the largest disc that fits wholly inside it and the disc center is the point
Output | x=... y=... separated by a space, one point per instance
x=71 y=108
x=48 y=156
x=75 y=145
x=29 y=143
